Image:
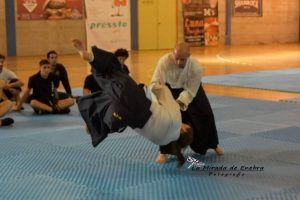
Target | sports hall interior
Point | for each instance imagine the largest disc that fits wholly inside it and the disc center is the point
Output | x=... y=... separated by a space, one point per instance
x=262 y=128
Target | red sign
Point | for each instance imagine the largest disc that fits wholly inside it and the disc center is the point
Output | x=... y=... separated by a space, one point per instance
x=49 y=9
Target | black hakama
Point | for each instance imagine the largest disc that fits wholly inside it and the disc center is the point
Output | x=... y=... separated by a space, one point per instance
x=121 y=102
x=200 y=116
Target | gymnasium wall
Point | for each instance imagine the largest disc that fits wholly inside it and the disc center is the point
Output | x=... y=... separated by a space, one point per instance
x=38 y=37
x=278 y=24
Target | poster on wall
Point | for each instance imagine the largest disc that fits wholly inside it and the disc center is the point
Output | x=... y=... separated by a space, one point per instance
x=99 y=9
x=108 y=24
x=109 y=34
x=247 y=8
x=49 y=9
x=200 y=18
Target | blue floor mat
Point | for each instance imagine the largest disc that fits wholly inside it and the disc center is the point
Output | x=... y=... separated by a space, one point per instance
x=51 y=157
x=282 y=80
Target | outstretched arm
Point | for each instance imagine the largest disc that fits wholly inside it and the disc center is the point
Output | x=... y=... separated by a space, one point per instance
x=102 y=62
x=80 y=48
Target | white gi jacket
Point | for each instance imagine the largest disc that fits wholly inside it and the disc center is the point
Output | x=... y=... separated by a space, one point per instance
x=164 y=124
x=188 y=78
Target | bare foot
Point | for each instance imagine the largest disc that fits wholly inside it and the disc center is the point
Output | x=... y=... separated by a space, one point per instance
x=219 y=151
x=161 y=158
x=16 y=108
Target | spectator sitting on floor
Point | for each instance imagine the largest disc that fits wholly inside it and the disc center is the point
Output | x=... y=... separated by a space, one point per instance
x=11 y=84
x=5 y=106
x=44 y=98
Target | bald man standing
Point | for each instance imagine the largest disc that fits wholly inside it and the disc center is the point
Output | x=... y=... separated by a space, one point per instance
x=182 y=73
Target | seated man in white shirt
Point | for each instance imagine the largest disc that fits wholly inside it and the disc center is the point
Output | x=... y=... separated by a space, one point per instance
x=5 y=106
x=123 y=103
x=12 y=85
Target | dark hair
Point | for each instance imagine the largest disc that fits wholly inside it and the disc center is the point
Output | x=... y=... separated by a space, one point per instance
x=44 y=62
x=51 y=52
x=2 y=56
x=121 y=52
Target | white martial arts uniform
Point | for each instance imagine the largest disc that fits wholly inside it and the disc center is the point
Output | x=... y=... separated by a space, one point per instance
x=164 y=124
x=188 y=78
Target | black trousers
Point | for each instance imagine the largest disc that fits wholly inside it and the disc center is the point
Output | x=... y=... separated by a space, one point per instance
x=200 y=116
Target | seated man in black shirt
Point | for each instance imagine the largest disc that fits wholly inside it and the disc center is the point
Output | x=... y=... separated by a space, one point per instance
x=44 y=98
x=60 y=74
x=90 y=85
